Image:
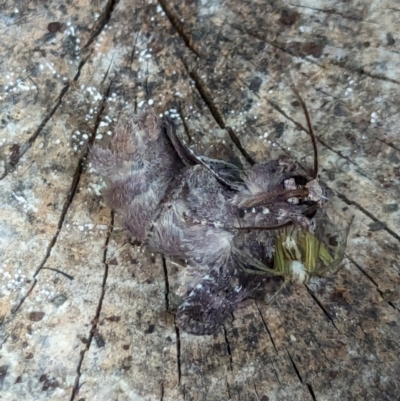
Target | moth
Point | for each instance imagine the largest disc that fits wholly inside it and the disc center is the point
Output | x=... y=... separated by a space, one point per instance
x=239 y=231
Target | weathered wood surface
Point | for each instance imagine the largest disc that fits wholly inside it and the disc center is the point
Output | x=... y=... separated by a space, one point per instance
x=226 y=68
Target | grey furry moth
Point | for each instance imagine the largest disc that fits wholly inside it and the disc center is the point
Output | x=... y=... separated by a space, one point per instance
x=239 y=231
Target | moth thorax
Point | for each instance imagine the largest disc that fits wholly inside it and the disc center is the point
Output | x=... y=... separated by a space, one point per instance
x=299 y=273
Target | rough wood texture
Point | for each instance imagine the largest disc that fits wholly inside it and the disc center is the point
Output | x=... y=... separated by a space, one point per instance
x=223 y=69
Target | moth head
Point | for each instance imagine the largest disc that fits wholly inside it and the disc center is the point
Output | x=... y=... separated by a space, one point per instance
x=315 y=191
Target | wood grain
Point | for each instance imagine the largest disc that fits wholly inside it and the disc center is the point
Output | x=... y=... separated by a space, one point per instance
x=223 y=69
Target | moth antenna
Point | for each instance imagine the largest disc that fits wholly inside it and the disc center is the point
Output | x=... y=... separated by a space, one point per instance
x=310 y=130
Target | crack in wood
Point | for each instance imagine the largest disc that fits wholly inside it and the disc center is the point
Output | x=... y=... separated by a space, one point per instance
x=162 y=392
x=201 y=88
x=331 y=319
x=165 y=271
x=102 y=21
x=178 y=352
x=208 y=101
x=96 y=319
x=357 y=70
x=28 y=144
x=266 y=327
x=228 y=348
x=271 y=338
x=307 y=384
x=177 y=332
x=370 y=278
x=108 y=69
x=329 y=11
x=179 y=27
x=370 y=215
x=274 y=44
x=323 y=143
x=389 y=144
x=69 y=199
x=360 y=71
x=310 y=389
x=294 y=367
x=297 y=124
x=326 y=313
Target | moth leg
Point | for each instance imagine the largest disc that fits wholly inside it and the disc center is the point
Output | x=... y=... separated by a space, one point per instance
x=264 y=272
x=277 y=292
x=244 y=259
x=335 y=266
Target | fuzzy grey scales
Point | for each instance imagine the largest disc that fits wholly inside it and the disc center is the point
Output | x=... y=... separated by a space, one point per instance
x=186 y=206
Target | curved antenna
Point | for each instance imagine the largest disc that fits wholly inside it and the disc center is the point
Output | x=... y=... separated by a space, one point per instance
x=310 y=131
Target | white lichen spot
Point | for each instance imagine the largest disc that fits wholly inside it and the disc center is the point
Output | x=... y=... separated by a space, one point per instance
x=348 y=91
x=20 y=199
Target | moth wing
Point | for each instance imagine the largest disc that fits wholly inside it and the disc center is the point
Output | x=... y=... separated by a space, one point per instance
x=184 y=153
x=206 y=307
x=137 y=166
x=227 y=173
x=211 y=302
